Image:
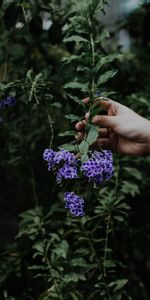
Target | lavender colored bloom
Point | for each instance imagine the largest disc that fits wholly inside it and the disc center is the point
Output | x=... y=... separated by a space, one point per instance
x=62 y=162
x=74 y=203
x=99 y=167
x=91 y=168
x=48 y=154
x=105 y=154
x=7 y=102
x=65 y=156
x=66 y=172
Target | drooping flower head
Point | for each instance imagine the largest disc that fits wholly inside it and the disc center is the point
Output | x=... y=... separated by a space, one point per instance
x=99 y=167
x=66 y=156
x=63 y=162
x=66 y=166
x=75 y=204
x=66 y=172
x=7 y=102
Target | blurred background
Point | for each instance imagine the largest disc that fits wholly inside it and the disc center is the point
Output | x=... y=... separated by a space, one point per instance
x=36 y=234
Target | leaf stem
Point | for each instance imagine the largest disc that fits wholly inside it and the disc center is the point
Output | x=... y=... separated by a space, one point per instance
x=52 y=129
x=93 y=60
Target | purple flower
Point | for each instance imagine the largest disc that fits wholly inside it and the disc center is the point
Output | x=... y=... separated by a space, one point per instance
x=105 y=154
x=74 y=203
x=48 y=154
x=62 y=162
x=7 y=102
x=66 y=172
x=99 y=167
x=65 y=156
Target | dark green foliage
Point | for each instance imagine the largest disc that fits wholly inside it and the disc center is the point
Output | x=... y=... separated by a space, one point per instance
x=104 y=255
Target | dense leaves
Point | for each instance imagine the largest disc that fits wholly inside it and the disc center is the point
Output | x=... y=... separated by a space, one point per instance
x=45 y=253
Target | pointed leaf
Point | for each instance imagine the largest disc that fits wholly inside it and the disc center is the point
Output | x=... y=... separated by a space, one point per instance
x=105 y=60
x=84 y=147
x=75 y=38
x=73 y=118
x=92 y=134
x=69 y=147
x=106 y=76
x=74 y=85
x=67 y=133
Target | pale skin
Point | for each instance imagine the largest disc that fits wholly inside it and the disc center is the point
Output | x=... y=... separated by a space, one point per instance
x=122 y=130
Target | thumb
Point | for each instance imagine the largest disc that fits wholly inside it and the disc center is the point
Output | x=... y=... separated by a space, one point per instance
x=106 y=121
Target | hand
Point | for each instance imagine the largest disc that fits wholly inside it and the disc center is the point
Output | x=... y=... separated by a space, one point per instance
x=123 y=130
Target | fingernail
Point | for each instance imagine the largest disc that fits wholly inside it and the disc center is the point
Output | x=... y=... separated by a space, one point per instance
x=104 y=98
x=87 y=115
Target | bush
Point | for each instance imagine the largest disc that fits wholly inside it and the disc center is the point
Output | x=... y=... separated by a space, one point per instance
x=48 y=254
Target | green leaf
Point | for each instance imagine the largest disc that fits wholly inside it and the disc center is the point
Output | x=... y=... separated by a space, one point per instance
x=74 y=277
x=74 y=85
x=39 y=247
x=105 y=60
x=62 y=249
x=73 y=118
x=76 y=99
x=70 y=58
x=106 y=76
x=119 y=284
x=75 y=38
x=95 y=109
x=133 y=172
x=69 y=147
x=130 y=188
x=83 y=69
x=78 y=261
x=84 y=157
x=84 y=147
x=67 y=133
x=105 y=34
x=74 y=297
x=92 y=134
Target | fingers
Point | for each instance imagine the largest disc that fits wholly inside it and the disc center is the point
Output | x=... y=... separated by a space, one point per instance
x=105 y=102
x=105 y=121
x=104 y=142
x=80 y=136
x=103 y=133
x=80 y=125
x=85 y=100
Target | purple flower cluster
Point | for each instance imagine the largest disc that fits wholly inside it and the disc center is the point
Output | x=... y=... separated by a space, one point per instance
x=75 y=204
x=7 y=102
x=99 y=167
x=64 y=162
x=66 y=172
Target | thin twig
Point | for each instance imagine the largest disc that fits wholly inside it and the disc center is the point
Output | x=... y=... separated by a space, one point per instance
x=52 y=130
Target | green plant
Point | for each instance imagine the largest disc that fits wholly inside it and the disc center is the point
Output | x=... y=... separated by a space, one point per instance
x=55 y=256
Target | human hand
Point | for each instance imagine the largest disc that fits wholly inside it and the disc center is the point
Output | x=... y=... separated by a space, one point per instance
x=123 y=130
